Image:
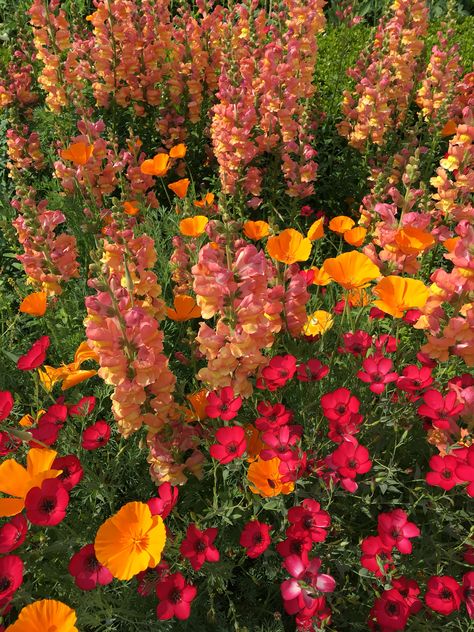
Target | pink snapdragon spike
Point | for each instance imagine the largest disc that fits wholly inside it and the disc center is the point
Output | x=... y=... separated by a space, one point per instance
x=306 y=583
x=224 y=404
x=396 y=531
x=377 y=372
x=231 y=444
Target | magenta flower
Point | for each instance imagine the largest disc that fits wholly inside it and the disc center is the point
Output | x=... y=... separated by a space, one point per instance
x=357 y=343
x=175 y=596
x=391 y=610
x=339 y=429
x=11 y=576
x=231 y=444
x=84 y=407
x=255 y=538
x=409 y=590
x=198 y=546
x=438 y=408
x=378 y=373
x=465 y=470
x=385 y=343
x=96 y=436
x=165 y=501
x=306 y=583
x=413 y=378
x=297 y=542
x=396 y=531
x=223 y=405
x=87 y=570
x=273 y=416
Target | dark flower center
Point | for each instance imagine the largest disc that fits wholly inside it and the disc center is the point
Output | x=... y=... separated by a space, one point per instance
x=175 y=596
x=5 y=583
x=352 y=464
x=92 y=563
x=377 y=377
x=308 y=522
x=48 y=505
x=257 y=538
x=224 y=407
x=283 y=373
x=296 y=546
x=65 y=474
x=341 y=408
x=271 y=483
x=446 y=594
x=232 y=448
x=200 y=546
x=395 y=534
x=447 y=474
x=392 y=608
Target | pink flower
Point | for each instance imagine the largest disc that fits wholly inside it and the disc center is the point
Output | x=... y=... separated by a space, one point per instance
x=351 y=459
x=339 y=404
x=310 y=518
x=96 y=436
x=277 y=373
x=224 y=405
x=443 y=594
x=443 y=472
x=255 y=538
x=376 y=555
x=339 y=429
x=175 y=596
x=6 y=404
x=87 y=570
x=35 y=356
x=377 y=372
x=231 y=444
x=395 y=530
x=306 y=583
x=166 y=500
x=198 y=546
x=13 y=534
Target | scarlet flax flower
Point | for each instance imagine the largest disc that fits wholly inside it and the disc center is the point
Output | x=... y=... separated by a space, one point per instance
x=198 y=546
x=223 y=404
x=35 y=356
x=11 y=575
x=231 y=444
x=396 y=531
x=96 y=436
x=443 y=594
x=377 y=373
x=175 y=596
x=13 y=534
x=46 y=505
x=255 y=538
x=87 y=570
x=6 y=404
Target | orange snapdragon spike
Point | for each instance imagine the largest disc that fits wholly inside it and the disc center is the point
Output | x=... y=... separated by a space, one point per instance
x=180 y=187
x=185 y=308
x=289 y=246
x=316 y=230
x=256 y=230
x=157 y=166
x=320 y=276
x=34 y=304
x=45 y=615
x=266 y=478
x=16 y=480
x=397 y=294
x=131 y=208
x=130 y=541
x=198 y=403
x=351 y=270
x=413 y=241
x=355 y=236
x=178 y=151
x=78 y=153
x=207 y=200
x=341 y=223
x=193 y=226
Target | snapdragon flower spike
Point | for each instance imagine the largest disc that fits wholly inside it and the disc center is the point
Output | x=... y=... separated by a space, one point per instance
x=443 y=594
x=224 y=405
x=163 y=504
x=280 y=443
x=198 y=546
x=357 y=343
x=87 y=570
x=277 y=373
x=443 y=472
x=391 y=610
x=46 y=505
x=6 y=404
x=255 y=538
x=231 y=444
x=306 y=583
x=35 y=356
x=312 y=371
x=376 y=555
x=351 y=459
x=11 y=576
x=310 y=518
x=175 y=596
x=377 y=372
x=339 y=404
x=409 y=590
x=414 y=379
x=272 y=416
x=13 y=534
x=395 y=530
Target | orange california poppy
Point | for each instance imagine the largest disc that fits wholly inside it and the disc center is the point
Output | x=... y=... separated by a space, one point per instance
x=351 y=270
x=266 y=478
x=157 y=166
x=449 y=128
x=83 y=353
x=75 y=376
x=178 y=151
x=34 y=304
x=289 y=246
x=254 y=443
x=207 y=200
x=256 y=230
x=44 y=616
x=358 y=297
x=185 y=308
x=397 y=294
x=413 y=241
x=341 y=223
x=180 y=187
x=198 y=402
x=131 y=208
x=450 y=244
x=49 y=376
x=193 y=226
x=78 y=153
x=316 y=230
x=320 y=277
x=355 y=236
x=16 y=480
x=130 y=541
x=318 y=323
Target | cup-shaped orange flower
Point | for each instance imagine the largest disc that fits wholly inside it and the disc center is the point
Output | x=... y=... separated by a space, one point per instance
x=351 y=270
x=78 y=153
x=83 y=353
x=318 y=323
x=180 y=187
x=44 y=616
x=157 y=166
x=256 y=230
x=34 y=304
x=198 y=403
x=289 y=246
x=341 y=224
x=185 y=308
x=266 y=478
x=355 y=236
x=397 y=294
x=320 y=277
x=413 y=241
x=16 y=480
x=207 y=200
x=131 y=207
x=316 y=230
x=193 y=226
x=72 y=376
x=178 y=151
x=131 y=541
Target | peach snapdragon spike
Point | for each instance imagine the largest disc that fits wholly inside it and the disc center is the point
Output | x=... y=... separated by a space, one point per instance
x=48 y=259
x=23 y=148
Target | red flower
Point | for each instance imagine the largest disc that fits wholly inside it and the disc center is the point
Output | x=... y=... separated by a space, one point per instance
x=412 y=316
x=56 y=414
x=339 y=404
x=272 y=416
x=468 y=555
x=351 y=459
x=83 y=407
x=72 y=471
x=280 y=443
x=11 y=576
x=277 y=373
x=377 y=372
x=87 y=570
x=8 y=443
x=298 y=542
x=166 y=500
x=386 y=343
x=468 y=592
x=35 y=356
x=6 y=404
x=444 y=472
x=414 y=379
x=224 y=405
x=255 y=538
x=96 y=436
x=149 y=578
x=376 y=555
x=46 y=505
x=198 y=546
x=357 y=343
x=391 y=610
x=312 y=371
x=13 y=534
x=175 y=597
x=310 y=518
x=45 y=433
x=465 y=470
x=339 y=429
x=299 y=592
x=231 y=444
x=440 y=408
x=395 y=530
x=376 y=313
x=409 y=590
x=443 y=594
